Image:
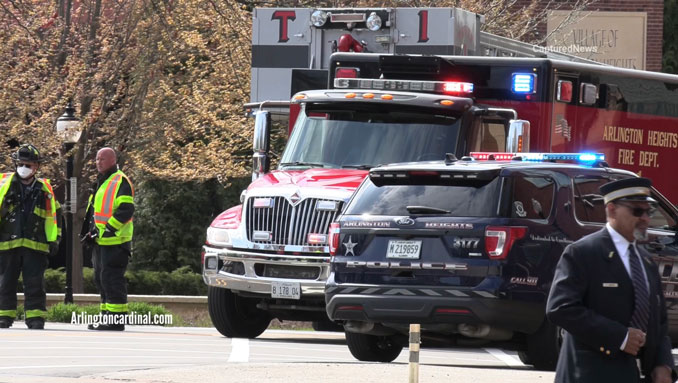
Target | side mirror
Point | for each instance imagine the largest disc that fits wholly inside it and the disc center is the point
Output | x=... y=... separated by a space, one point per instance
x=518 y=136
x=262 y=129
x=261 y=163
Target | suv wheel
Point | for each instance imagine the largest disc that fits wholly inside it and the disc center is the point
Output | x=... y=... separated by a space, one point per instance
x=234 y=316
x=372 y=348
x=543 y=347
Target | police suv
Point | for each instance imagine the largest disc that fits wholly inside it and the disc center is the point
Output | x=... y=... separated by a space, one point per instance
x=467 y=248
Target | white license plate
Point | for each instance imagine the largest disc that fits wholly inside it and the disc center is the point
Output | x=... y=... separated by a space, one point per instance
x=285 y=290
x=403 y=249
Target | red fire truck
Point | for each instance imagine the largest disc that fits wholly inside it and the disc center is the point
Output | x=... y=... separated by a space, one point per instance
x=269 y=257
x=630 y=116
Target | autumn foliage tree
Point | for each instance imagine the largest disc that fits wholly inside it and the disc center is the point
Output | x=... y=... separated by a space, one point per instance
x=161 y=82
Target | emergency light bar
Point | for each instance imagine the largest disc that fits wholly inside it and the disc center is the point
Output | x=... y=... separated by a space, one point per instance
x=443 y=87
x=524 y=83
x=584 y=158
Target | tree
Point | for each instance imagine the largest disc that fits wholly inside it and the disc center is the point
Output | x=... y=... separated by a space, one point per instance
x=171 y=219
x=148 y=78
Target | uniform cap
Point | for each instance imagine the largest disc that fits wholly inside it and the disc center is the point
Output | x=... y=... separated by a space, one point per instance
x=628 y=189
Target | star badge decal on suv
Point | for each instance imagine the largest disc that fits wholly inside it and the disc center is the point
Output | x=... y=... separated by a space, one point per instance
x=349 y=246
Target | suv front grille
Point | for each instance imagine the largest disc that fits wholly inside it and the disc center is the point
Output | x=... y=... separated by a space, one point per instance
x=287 y=224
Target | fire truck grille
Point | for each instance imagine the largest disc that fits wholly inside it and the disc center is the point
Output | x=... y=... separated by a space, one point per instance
x=285 y=224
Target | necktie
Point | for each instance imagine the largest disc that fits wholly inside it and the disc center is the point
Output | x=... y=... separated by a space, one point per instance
x=641 y=312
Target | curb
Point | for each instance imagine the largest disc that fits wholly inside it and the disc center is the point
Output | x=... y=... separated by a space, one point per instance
x=181 y=305
x=53 y=298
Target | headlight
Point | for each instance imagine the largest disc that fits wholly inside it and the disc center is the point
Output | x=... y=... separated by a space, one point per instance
x=373 y=22
x=319 y=18
x=218 y=236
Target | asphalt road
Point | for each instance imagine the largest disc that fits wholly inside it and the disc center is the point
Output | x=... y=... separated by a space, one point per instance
x=145 y=354
x=149 y=354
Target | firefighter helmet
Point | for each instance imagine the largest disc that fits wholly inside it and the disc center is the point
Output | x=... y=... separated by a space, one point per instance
x=28 y=153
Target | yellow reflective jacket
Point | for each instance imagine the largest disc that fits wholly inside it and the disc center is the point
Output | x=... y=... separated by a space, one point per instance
x=41 y=226
x=106 y=201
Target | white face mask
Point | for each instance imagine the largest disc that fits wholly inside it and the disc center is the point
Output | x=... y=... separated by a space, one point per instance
x=24 y=172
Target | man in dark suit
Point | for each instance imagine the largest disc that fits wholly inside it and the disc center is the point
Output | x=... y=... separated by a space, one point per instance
x=607 y=295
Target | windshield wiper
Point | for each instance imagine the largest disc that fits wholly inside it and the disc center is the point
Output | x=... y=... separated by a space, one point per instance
x=426 y=210
x=301 y=163
x=361 y=167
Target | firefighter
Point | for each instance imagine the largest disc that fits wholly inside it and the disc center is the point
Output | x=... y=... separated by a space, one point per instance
x=109 y=224
x=28 y=234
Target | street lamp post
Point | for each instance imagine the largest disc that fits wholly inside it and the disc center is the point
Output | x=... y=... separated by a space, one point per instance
x=67 y=128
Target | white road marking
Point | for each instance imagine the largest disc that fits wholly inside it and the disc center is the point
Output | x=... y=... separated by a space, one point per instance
x=504 y=357
x=240 y=350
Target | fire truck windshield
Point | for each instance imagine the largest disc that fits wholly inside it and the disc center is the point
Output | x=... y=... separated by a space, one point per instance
x=362 y=137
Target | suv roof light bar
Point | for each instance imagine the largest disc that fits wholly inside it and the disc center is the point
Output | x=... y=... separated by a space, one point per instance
x=582 y=158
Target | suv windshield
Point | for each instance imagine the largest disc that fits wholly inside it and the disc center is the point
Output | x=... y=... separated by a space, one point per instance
x=462 y=199
x=368 y=135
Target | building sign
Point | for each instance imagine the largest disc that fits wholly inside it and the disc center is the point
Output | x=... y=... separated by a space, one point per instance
x=613 y=38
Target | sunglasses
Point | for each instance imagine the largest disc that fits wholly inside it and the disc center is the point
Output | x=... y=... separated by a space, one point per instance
x=24 y=165
x=639 y=211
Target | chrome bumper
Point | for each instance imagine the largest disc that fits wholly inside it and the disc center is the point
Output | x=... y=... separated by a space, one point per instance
x=253 y=283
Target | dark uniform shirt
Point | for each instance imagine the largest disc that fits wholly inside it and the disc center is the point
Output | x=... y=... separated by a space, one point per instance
x=28 y=198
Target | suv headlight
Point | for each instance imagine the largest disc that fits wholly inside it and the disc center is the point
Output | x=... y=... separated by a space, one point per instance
x=217 y=236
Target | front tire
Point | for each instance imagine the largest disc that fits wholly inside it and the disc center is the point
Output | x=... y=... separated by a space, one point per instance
x=234 y=316
x=372 y=348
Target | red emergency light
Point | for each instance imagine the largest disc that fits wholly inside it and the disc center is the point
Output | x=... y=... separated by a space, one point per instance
x=316 y=239
x=458 y=87
x=488 y=156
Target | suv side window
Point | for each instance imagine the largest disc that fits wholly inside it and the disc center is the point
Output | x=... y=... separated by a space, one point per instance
x=532 y=197
x=662 y=219
x=588 y=203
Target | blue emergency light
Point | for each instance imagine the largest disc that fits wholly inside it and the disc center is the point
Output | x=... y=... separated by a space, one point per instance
x=523 y=83
x=579 y=157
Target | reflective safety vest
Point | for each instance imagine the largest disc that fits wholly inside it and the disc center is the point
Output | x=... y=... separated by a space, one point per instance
x=106 y=202
x=48 y=213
